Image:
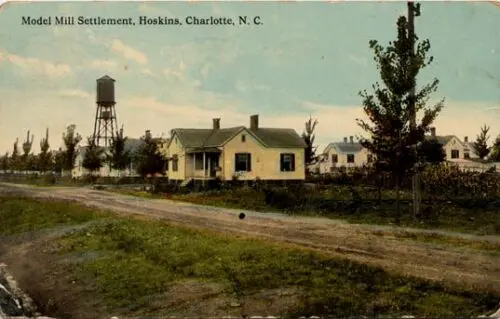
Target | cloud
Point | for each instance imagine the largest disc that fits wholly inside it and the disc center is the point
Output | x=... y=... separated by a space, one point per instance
x=246 y=88
x=147 y=71
x=128 y=52
x=74 y=93
x=103 y=64
x=38 y=66
x=179 y=114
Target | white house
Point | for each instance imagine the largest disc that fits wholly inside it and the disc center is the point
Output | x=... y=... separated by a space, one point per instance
x=79 y=171
x=347 y=154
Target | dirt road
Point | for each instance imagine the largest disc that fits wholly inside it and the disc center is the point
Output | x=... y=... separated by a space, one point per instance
x=373 y=245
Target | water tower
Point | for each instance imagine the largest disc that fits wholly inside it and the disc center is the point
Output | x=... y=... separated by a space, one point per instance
x=105 y=125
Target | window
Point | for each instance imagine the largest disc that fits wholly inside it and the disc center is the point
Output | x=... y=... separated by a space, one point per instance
x=369 y=158
x=466 y=155
x=175 y=163
x=242 y=162
x=335 y=158
x=243 y=138
x=350 y=158
x=287 y=162
x=455 y=154
x=198 y=163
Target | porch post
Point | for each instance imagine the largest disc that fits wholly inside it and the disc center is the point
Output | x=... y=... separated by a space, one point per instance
x=204 y=170
x=210 y=158
x=194 y=164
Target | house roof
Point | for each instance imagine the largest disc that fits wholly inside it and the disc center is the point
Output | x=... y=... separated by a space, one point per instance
x=442 y=139
x=469 y=145
x=270 y=137
x=345 y=148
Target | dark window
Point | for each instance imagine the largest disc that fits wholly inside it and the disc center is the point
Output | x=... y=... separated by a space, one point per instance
x=166 y=166
x=242 y=162
x=175 y=163
x=243 y=137
x=455 y=154
x=466 y=155
x=350 y=158
x=335 y=158
x=198 y=162
x=287 y=162
x=369 y=158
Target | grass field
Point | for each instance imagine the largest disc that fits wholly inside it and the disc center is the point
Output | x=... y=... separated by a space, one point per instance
x=135 y=262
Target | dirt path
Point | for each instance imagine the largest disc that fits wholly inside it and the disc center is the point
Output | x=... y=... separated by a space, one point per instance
x=362 y=243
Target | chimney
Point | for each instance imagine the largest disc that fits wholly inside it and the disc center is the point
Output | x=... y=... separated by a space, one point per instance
x=433 y=131
x=216 y=125
x=345 y=139
x=466 y=139
x=351 y=139
x=148 y=134
x=254 y=122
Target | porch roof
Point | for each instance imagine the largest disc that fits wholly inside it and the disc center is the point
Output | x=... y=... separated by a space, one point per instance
x=203 y=150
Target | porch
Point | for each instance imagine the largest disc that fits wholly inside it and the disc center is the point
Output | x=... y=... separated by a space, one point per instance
x=203 y=164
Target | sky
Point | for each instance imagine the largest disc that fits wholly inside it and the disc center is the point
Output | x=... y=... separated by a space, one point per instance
x=306 y=58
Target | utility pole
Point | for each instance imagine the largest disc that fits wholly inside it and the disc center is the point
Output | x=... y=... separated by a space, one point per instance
x=414 y=10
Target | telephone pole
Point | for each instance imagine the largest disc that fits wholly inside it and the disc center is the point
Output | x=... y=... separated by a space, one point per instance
x=414 y=10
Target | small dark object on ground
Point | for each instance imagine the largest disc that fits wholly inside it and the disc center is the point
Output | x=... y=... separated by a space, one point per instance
x=242 y=215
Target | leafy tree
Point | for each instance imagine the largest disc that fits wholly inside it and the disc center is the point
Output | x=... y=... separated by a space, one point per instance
x=4 y=162
x=26 y=159
x=480 y=146
x=119 y=157
x=389 y=108
x=45 y=156
x=93 y=158
x=58 y=162
x=70 y=140
x=431 y=151
x=149 y=159
x=14 y=158
x=308 y=136
x=495 y=150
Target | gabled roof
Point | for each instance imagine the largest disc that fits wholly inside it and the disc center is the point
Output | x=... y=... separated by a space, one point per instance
x=442 y=139
x=270 y=137
x=469 y=145
x=345 y=148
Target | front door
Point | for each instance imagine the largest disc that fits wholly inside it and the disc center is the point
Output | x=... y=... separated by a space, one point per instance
x=214 y=163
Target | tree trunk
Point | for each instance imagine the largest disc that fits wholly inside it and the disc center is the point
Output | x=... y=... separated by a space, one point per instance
x=398 y=206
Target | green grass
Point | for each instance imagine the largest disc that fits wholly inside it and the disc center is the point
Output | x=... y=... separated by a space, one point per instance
x=142 y=258
x=19 y=215
x=152 y=255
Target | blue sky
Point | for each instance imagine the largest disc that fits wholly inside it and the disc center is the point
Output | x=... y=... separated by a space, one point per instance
x=306 y=58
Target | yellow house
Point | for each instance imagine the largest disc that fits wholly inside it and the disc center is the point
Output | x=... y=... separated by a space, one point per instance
x=241 y=152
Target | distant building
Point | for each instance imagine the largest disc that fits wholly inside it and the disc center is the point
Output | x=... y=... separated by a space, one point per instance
x=347 y=154
x=131 y=145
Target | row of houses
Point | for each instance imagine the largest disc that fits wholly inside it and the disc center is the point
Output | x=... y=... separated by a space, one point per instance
x=246 y=153
x=351 y=154
x=252 y=152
